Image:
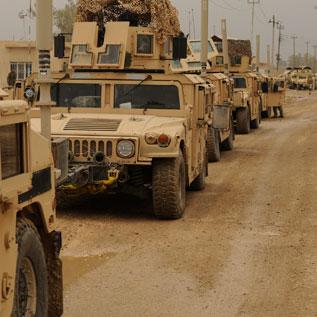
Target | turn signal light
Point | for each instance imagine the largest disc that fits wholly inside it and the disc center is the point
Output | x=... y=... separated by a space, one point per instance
x=164 y=140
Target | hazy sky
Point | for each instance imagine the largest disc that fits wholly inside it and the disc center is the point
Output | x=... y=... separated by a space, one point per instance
x=299 y=18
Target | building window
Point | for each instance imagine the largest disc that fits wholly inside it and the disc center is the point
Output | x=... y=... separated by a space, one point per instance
x=11 y=145
x=22 y=70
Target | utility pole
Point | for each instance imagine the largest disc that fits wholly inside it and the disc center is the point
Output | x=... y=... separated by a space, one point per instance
x=294 y=38
x=315 y=58
x=274 y=23
x=253 y=3
x=307 y=52
x=278 y=57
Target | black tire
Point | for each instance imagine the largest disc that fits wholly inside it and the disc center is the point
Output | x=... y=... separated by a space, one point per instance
x=31 y=272
x=228 y=144
x=213 y=145
x=169 y=187
x=281 y=111
x=255 y=124
x=243 y=120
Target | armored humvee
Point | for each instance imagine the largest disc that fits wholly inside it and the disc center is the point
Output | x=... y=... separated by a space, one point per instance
x=246 y=102
x=246 y=107
x=30 y=268
x=217 y=138
x=132 y=124
x=302 y=78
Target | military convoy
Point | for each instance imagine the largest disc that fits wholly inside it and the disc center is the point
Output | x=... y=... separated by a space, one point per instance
x=30 y=270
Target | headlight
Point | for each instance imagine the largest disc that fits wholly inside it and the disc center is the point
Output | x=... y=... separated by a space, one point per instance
x=125 y=148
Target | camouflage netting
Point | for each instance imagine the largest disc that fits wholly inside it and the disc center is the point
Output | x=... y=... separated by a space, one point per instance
x=161 y=15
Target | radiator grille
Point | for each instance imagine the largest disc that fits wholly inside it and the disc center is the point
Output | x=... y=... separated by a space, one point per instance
x=88 y=148
x=93 y=124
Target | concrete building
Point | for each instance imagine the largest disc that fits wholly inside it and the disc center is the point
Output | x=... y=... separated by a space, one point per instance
x=20 y=56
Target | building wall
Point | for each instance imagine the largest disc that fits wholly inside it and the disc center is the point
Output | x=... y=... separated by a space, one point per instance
x=16 y=52
x=23 y=52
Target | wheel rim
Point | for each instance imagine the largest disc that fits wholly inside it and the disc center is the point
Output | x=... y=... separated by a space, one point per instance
x=27 y=288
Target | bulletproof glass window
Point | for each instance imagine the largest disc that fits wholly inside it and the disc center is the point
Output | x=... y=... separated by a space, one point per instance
x=11 y=146
x=80 y=55
x=196 y=47
x=194 y=64
x=219 y=60
x=236 y=60
x=147 y=97
x=76 y=95
x=265 y=87
x=240 y=83
x=145 y=44
x=111 y=56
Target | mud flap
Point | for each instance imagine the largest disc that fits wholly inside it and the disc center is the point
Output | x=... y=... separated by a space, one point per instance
x=55 y=274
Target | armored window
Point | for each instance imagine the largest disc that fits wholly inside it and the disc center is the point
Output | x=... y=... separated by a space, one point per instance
x=81 y=56
x=145 y=44
x=219 y=60
x=194 y=65
x=111 y=56
x=196 y=47
x=76 y=95
x=147 y=97
x=236 y=60
x=11 y=147
x=240 y=83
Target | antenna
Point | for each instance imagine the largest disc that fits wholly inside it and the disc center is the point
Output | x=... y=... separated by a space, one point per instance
x=194 y=25
x=253 y=3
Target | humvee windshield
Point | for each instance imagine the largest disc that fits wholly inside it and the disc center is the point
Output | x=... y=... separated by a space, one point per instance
x=240 y=83
x=76 y=95
x=146 y=97
x=196 y=46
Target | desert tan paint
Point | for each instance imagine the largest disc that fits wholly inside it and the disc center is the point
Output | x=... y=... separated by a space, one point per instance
x=15 y=112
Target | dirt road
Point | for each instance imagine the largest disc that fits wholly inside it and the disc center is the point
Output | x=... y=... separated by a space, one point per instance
x=246 y=247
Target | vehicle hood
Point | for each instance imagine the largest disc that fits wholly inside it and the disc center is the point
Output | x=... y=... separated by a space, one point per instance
x=109 y=124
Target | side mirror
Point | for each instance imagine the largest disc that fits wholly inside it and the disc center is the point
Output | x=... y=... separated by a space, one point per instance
x=59 y=46
x=179 y=48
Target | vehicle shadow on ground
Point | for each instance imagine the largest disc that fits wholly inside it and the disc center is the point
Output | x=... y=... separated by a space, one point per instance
x=110 y=206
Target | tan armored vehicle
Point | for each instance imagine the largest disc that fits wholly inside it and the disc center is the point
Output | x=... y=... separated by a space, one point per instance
x=132 y=125
x=30 y=268
x=302 y=78
x=272 y=95
x=217 y=138
x=246 y=102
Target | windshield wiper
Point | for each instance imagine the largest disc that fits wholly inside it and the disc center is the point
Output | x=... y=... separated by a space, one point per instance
x=148 y=77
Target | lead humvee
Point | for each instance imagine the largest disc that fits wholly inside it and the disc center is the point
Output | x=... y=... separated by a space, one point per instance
x=132 y=124
x=30 y=270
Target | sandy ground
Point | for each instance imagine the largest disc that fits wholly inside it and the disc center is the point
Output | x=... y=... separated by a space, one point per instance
x=246 y=247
